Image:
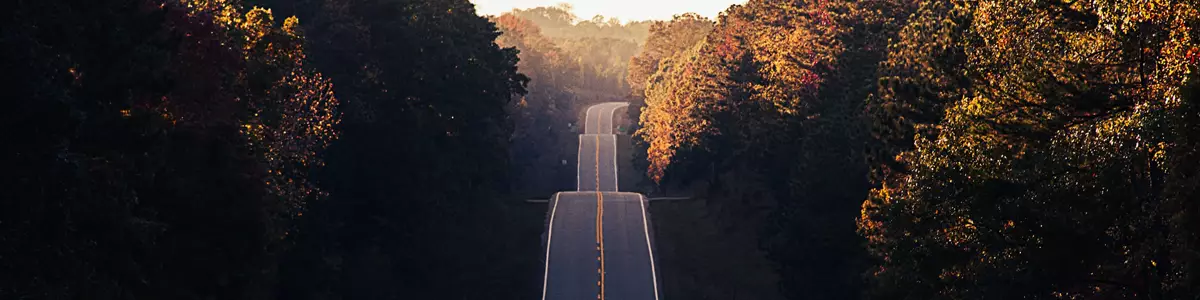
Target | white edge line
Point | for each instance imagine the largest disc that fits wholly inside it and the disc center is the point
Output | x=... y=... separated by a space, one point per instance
x=611 y=112
x=578 y=158
x=587 y=119
x=600 y=120
x=616 y=177
x=550 y=238
x=649 y=248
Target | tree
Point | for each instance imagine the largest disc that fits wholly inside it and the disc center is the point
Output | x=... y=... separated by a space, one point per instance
x=541 y=116
x=1030 y=145
x=560 y=22
x=416 y=178
x=666 y=39
x=599 y=48
x=767 y=110
x=132 y=172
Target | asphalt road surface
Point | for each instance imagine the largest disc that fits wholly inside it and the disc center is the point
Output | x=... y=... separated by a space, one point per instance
x=597 y=163
x=598 y=243
x=599 y=117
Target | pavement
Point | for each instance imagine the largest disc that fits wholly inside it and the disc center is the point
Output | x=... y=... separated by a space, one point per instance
x=598 y=241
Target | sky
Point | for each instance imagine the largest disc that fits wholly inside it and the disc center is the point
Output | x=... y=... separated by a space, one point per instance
x=626 y=10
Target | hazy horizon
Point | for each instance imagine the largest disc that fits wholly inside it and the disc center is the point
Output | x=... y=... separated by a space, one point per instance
x=620 y=9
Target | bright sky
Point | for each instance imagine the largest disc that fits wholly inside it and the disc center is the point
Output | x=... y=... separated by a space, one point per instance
x=626 y=10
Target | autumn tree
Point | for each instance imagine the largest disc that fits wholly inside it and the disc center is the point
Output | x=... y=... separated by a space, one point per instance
x=1030 y=150
x=666 y=39
x=766 y=108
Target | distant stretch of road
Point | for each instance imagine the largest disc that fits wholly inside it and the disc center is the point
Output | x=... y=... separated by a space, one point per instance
x=598 y=243
x=599 y=117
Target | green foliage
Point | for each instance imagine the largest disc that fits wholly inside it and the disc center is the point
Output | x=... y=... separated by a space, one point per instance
x=598 y=50
x=542 y=139
x=416 y=177
x=569 y=69
x=1027 y=150
x=602 y=63
x=190 y=149
x=132 y=172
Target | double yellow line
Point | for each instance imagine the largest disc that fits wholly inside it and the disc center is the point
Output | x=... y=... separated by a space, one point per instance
x=599 y=222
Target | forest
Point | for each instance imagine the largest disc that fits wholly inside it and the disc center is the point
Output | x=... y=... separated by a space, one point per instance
x=571 y=63
x=940 y=149
x=229 y=149
x=382 y=149
x=256 y=149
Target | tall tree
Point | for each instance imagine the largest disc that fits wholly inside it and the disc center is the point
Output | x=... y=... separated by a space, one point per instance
x=600 y=48
x=542 y=115
x=144 y=139
x=416 y=179
x=665 y=40
x=1027 y=149
x=767 y=109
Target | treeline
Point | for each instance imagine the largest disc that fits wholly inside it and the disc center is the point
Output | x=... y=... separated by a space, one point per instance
x=543 y=118
x=560 y=22
x=211 y=149
x=941 y=149
x=571 y=64
x=596 y=50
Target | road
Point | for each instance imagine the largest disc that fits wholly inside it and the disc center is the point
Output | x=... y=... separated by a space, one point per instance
x=598 y=242
x=599 y=117
x=600 y=149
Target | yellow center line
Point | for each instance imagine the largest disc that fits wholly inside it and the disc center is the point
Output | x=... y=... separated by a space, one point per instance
x=599 y=221
x=600 y=216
